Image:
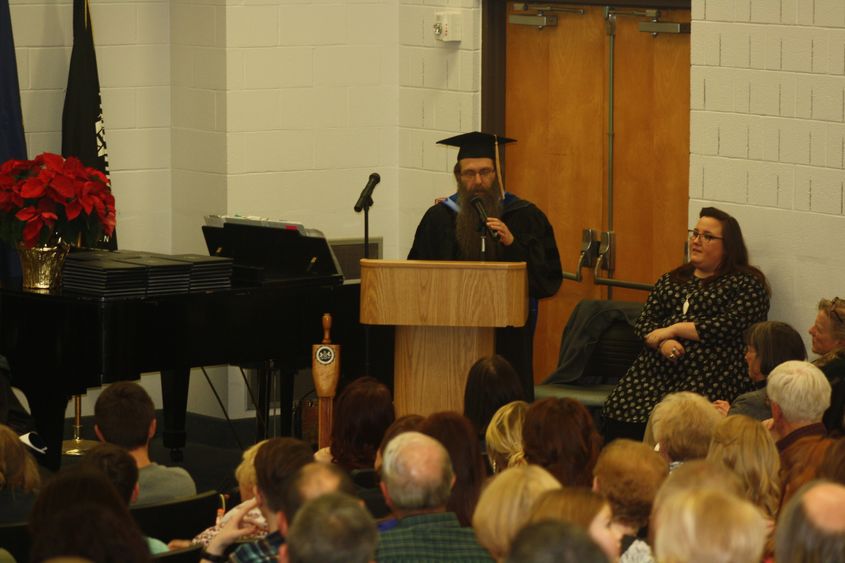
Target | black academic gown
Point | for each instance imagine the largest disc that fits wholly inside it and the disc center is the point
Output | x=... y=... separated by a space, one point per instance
x=534 y=243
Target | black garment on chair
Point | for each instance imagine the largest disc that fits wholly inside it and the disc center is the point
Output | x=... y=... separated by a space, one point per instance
x=177 y=519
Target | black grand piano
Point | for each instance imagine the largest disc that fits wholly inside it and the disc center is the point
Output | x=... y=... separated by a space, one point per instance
x=61 y=343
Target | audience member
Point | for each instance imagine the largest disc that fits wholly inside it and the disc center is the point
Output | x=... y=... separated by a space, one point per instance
x=553 y=541
x=828 y=332
x=19 y=478
x=832 y=467
x=629 y=474
x=457 y=435
x=362 y=413
x=559 y=434
x=416 y=479
x=767 y=344
x=707 y=525
x=333 y=528
x=506 y=503
x=694 y=475
x=491 y=383
x=79 y=513
x=683 y=424
x=310 y=482
x=504 y=436
x=275 y=462
x=124 y=415
x=120 y=469
x=245 y=476
x=800 y=394
x=744 y=446
x=584 y=508
x=811 y=526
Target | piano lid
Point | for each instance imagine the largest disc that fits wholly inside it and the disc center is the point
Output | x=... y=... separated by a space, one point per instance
x=279 y=251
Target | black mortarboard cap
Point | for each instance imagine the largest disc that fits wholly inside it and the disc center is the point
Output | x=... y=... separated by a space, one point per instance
x=475 y=144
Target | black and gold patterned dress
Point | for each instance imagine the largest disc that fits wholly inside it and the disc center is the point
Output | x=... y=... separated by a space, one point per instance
x=715 y=365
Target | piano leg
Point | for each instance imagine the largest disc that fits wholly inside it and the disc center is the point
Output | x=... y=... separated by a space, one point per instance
x=174 y=393
x=48 y=411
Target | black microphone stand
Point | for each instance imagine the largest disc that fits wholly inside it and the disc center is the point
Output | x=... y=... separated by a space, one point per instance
x=366 y=204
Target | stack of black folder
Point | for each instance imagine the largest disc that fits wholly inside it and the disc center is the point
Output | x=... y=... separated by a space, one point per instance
x=129 y=273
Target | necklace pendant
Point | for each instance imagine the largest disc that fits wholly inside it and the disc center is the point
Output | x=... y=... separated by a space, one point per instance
x=685 y=308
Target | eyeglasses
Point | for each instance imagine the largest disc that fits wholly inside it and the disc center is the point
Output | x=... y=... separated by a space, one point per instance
x=833 y=306
x=471 y=174
x=706 y=237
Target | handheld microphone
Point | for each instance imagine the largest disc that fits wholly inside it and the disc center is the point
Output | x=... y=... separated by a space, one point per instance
x=366 y=194
x=482 y=214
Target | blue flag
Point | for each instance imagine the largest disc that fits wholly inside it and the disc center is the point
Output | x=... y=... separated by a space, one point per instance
x=12 y=140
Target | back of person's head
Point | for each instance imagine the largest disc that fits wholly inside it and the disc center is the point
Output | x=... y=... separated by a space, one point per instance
x=832 y=466
x=506 y=503
x=245 y=471
x=491 y=383
x=276 y=461
x=698 y=474
x=312 y=480
x=333 y=527
x=747 y=448
x=629 y=474
x=362 y=413
x=90 y=531
x=504 y=436
x=18 y=470
x=801 y=391
x=416 y=472
x=458 y=436
x=74 y=490
x=123 y=414
x=708 y=526
x=811 y=526
x=775 y=342
x=683 y=425
x=560 y=435
x=117 y=465
x=576 y=505
x=554 y=541
x=405 y=423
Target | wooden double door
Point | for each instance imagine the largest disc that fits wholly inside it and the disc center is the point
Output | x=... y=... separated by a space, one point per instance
x=557 y=105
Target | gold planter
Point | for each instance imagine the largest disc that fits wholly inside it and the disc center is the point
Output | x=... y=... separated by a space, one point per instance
x=41 y=266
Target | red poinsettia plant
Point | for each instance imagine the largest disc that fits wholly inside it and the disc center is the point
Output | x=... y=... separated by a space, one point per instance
x=53 y=200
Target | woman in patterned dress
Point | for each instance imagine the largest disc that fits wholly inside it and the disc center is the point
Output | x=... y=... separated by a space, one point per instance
x=692 y=326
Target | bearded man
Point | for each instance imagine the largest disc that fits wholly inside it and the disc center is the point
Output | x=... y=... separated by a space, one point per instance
x=515 y=231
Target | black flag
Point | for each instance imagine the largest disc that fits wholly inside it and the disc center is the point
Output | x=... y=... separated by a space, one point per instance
x=12 y=141
x=83 y=132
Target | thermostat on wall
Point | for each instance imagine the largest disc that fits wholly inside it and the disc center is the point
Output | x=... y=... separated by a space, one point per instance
x=447 y=26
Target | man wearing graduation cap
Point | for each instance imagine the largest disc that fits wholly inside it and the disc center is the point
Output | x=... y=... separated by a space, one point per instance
x=515 y=231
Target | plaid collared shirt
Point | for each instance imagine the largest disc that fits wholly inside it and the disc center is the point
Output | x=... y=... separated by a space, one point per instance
x=430 y=537
x=265 y=550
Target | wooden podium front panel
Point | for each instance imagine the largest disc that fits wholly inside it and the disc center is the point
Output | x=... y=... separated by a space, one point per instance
x=444 y=293
x=431 y=366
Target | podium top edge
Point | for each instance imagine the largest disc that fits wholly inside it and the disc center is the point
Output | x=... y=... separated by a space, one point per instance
x=443 y=264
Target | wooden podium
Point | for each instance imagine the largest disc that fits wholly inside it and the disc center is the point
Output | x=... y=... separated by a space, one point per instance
x=445 y=314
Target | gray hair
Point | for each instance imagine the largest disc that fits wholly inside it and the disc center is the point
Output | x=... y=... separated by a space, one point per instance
x=801 y=391
x=800 y=536
x=417 y=472
x=332 y=528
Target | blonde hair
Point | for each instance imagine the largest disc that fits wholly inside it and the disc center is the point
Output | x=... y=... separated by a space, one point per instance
x=683 y=424
x=708 y=526
x=504 y=434
x=576 y=505
x=505 y=505
x=245 y=472
x=18 y=471
x=744 y=446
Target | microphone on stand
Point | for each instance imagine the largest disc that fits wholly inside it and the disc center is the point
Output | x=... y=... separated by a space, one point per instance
x=367 y=193
x=482 y=214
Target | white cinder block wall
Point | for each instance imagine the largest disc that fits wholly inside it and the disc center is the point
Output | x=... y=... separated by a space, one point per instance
x=768 y=139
